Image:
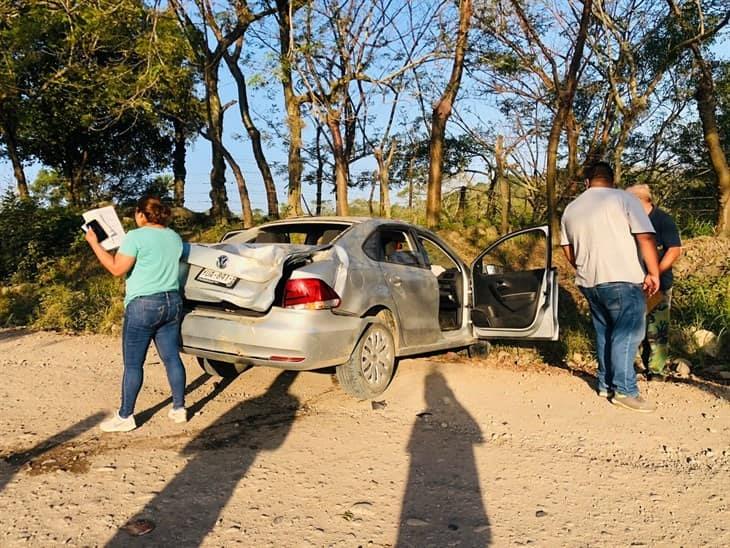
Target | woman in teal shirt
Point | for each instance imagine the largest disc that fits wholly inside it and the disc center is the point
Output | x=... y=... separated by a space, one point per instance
x=150 y=257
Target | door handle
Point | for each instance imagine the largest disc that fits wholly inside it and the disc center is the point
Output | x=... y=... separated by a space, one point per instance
x=395 y=280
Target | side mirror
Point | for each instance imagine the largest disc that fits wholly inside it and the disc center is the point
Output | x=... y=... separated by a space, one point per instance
x=491 y=269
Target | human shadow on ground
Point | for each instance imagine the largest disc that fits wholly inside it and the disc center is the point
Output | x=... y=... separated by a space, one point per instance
x=187 y=509
x=15 y=461
x=443 y=503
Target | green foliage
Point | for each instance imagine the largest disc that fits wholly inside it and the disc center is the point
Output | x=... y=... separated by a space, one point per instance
x=411 y=160
x=93 y=304
x=31 y=235
x=70 y=293
x=692 y=226
x=96 y=92
x=18 y=305
x=213 y=233
x=702 y=302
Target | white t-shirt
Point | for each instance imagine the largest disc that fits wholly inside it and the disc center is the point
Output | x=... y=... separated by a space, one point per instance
x=600 y=225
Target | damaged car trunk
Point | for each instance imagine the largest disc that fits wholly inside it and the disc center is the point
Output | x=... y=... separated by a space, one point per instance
x=356 y=294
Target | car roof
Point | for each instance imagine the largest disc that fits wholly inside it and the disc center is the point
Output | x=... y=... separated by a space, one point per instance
x=334 y=219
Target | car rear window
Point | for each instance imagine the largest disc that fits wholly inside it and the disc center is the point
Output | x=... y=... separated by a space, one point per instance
x=299 y=233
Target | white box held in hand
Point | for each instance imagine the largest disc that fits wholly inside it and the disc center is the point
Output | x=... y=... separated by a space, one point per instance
x=106 y=224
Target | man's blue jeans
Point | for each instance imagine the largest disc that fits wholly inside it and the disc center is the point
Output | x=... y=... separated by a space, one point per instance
x=618 y=310
x=153 y=317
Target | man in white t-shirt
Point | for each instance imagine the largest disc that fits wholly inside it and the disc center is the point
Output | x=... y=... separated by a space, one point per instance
x=605 y=234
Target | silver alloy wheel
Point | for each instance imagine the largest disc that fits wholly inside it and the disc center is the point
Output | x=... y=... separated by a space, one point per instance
x=376 y=358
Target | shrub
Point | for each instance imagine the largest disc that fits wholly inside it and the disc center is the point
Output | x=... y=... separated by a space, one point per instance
x=213 y=233
x=78 y=294
x=94 y=305
x=18 y=305
x=701 y=303
x=693 y=227
x=31 y=235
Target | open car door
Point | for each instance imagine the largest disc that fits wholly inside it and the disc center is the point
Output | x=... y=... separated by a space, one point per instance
x=515 y=288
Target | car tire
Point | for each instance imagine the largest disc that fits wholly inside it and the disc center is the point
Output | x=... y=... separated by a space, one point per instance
x=218 y=368
x=370 y=368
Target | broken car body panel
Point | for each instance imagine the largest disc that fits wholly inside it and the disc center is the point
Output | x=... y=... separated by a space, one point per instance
x=429 y=296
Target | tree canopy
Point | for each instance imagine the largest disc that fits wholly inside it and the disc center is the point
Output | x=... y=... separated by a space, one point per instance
x=107 y=94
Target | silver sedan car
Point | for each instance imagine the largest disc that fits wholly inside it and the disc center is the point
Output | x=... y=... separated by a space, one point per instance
x=357 y=294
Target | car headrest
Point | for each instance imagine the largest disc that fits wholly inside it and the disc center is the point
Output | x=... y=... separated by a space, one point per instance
x=328 y=235
x=270 y=238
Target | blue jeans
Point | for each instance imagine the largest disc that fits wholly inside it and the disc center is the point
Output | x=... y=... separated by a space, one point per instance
x=153 y=317
x=618 y=310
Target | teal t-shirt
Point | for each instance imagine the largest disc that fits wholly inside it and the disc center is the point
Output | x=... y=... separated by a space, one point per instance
x=157 y=252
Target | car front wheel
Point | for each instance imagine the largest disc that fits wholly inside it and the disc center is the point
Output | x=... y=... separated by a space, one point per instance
x=370 y=368
x=218 y=368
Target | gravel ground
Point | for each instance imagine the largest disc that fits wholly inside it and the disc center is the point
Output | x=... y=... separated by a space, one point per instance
x=456 y=452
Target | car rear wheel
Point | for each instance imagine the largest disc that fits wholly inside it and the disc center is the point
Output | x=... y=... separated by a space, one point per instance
x=218 y=368
x=370 y=368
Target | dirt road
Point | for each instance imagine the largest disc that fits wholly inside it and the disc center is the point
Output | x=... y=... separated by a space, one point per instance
x=458 y=453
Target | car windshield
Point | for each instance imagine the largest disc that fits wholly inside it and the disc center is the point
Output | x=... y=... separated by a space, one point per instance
x=296 y=233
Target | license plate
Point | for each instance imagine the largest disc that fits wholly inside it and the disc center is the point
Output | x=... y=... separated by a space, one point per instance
x=208 y=275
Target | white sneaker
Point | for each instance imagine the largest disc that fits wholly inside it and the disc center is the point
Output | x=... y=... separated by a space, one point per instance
x=118 y=424
x=178 y=415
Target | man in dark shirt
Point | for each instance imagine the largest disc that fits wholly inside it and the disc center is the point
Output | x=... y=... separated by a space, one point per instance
x=654 y=349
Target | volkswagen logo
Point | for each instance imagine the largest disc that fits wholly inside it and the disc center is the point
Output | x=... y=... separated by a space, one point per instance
x=222 y=262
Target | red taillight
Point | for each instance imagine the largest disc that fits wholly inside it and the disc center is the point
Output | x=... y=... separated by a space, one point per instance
x=310 y=294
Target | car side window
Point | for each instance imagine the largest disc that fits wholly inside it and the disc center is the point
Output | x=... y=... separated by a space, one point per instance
x=520 y=253
x=392 y=246
x=437 y=259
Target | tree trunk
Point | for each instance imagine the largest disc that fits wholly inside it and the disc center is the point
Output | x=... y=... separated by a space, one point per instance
x=566 y=93
x=409 y=176
x=461 y=207
x=341 y=165
x=293 y=109
x=441 y=113
x=178 y=163
x=72 y=193
x=551 y=175
x=76 y=179
x=435 y=170
x=384 y=179
x=573 y=134
x=318 y=174
x=618 y=151
x=254 y=134
x=602 y=133
x=218 y=197
x=706 y=106
x=385 y=208
x=371 y=208
x=246 y=212
x=503 y=184
x=18 y=171
x=11 y=145
x=705 y=97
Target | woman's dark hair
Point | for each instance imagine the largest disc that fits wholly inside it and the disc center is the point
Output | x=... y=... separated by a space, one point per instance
x=154 y=210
